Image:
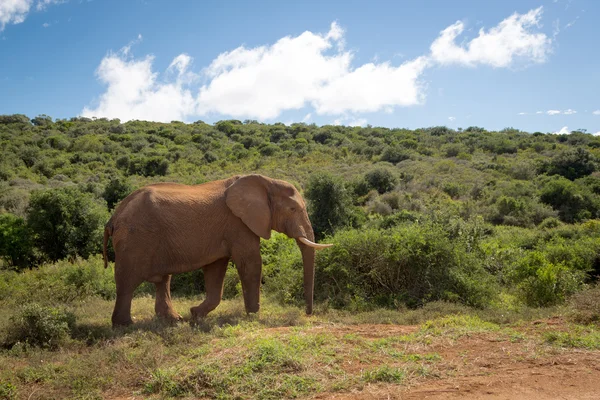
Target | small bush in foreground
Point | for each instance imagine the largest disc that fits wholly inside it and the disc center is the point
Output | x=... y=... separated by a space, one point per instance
x=7 y=391
x=41 y=326
x=585 y=306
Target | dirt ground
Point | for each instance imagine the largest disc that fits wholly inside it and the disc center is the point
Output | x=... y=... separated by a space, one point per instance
x=479 y=366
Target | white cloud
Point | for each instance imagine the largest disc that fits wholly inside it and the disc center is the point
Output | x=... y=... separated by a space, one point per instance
x=350 y=121
x=46 y=24
x=452 y=119
x=553 y=112
x=125 y=50
x=307 y=118
x=296 y=71
x=539 y=112
x=511 y=39
x=596 y=133
x=555 y=28
x=597 y=112
x=15 y=11
x=563 y=131
x=357 y=122
x=570 y=112
x=42 y=4
x=522 y=113
x=311 y=70
x=135 y=92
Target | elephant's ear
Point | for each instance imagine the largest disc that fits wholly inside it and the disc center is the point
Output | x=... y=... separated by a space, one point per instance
x=248 y=199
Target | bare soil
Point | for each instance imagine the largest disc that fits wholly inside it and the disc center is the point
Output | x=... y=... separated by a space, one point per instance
x=479 y=366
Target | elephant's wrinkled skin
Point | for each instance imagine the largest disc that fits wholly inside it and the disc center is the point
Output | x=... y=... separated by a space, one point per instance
x=169 y=228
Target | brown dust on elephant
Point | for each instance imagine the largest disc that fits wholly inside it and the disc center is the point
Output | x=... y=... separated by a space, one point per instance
x=168 y=228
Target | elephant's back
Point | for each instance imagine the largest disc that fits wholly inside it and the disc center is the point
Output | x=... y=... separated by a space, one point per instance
x=168 y=219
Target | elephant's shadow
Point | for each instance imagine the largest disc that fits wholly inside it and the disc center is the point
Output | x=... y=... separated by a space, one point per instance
x=93 y=333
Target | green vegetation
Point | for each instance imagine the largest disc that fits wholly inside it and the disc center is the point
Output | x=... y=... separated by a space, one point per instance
x=486 y=219
x=495 y=227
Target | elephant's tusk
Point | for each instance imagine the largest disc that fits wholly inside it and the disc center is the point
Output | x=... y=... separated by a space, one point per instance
x=313 y=244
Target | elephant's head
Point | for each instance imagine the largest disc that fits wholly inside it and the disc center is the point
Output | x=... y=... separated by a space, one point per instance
x=264 y=204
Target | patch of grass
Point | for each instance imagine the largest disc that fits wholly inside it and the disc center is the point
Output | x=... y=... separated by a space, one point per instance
x=457 y=325
x=8 y=391
x=578 y=337
x=384 y=374
x=271 y=354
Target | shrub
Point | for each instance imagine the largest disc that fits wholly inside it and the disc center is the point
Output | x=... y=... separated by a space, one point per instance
x=282 y=270
x=573 y=202
x=381 y=179
x=585 y=306
x=16 y=246
x=66 y=222
x=395 y=154
x=151 y=166
x=329 y=202
x=8 y=391
x=542 y=283
x=116 y=190
x=41 y=326
x=572 y=164
x=60 y=283
x=408 y=264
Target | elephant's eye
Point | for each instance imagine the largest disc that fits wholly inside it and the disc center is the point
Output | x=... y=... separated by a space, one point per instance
x=293 y=209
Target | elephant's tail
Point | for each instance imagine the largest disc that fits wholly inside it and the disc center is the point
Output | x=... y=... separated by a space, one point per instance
x=107 y=234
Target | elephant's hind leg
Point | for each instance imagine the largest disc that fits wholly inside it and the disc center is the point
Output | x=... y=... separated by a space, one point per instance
x=126 y=285
x=214 y=276
x=163 y=306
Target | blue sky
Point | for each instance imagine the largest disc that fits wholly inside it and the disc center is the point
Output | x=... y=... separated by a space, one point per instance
x=531 y=65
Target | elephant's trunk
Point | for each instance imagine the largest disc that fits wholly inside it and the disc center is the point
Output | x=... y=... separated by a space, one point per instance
x=308 y=259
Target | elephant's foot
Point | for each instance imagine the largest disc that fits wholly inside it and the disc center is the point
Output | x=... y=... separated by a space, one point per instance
x=121 y=322
x=198 y=313
x=170 y=317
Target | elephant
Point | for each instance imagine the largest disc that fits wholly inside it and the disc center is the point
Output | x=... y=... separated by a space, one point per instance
x=170 y=228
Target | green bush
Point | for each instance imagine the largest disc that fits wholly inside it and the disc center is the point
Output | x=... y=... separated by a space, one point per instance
x=573 y=202
x=59 y=283
x=395 y=154
x=42 y=326
x=8 y=391
x=116 y=190
x=408 y=264
x=282 y=269
x=572 y=164
x=542 y=283
x=330 y=204
x=381 y=179
x=585 y=306
x=16 y=246
x=66 y=222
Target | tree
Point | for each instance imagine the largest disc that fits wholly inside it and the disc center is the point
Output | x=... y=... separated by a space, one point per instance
x=66 y=222
x=381 y=179
x=116 y=190
x=330 y=204
x=573 y=202
x=572 y=164
x=16 y=247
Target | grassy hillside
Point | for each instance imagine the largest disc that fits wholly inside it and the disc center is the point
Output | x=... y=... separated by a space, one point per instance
x=471 y=216
x=493 y=228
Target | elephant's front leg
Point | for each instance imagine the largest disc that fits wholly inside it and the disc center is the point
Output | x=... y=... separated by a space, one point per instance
x=163 y=306
x=214 y=277
x=249 y=268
